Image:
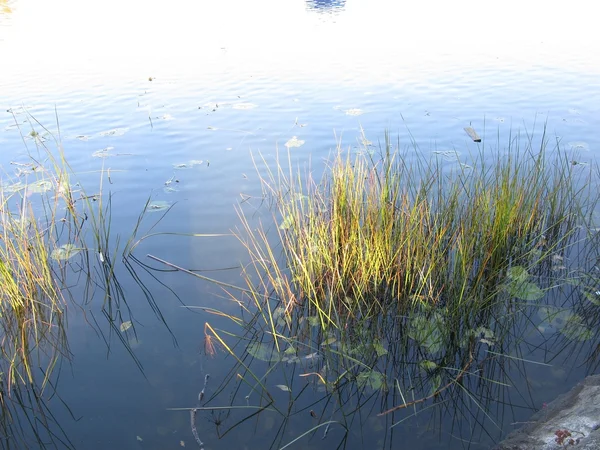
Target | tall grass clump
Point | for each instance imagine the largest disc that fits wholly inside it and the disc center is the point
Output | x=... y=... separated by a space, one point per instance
x=382 y=235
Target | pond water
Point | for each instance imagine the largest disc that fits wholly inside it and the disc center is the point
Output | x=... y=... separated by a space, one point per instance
x=170 y=101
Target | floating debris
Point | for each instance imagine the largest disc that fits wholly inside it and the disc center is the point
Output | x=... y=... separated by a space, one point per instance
x=188 y=165
x=158 y=205
x=103 y=153
x=472 y=134
x=64 y=252
x=354 y=112
x=294 y=142
x=114 y=132
x=40 y=187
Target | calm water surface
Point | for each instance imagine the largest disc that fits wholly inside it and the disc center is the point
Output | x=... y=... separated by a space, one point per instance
x=166 y=83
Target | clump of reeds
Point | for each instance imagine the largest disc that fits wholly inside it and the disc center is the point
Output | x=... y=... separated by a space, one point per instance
x=383 y=235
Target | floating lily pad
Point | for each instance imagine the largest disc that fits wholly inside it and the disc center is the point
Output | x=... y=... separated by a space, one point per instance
x=371 y=378
x=188 y=165
x=428 y=332
x=519 y=287
x=428 y=365
x=114 y=132
x=576 y=330
x=525 y=291
x=262 y=351
x=354 y=112
x=64 y=252
x=40 y=187
x=158 y=205
x=294 y=142
x=14 y=187
x=517 y=273
x=244 y=106
x=379 y=349
x=553 y=317
x=103 y=153
x=592 y=296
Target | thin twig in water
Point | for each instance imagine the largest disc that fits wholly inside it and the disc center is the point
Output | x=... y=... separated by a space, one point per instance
x=193 y=414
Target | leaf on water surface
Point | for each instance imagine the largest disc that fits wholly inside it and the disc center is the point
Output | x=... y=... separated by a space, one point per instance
x=40 y=187
x=158 y=205
x=13 y=188
x=517 y=273
x=244 y=106
x=592 y=296
x=428 y=332
x=576 y=330
x=262 y=351
x=64 y=252
x=103 y=153
x=428 y=365
x=125 y=326
x=291 y=359
x=379 y=349
x=188 y=165
x=283 y=387
x=519 y=287
x=370 y=378
x=114 y=132
x=553 y=317
x=354 y=112
x=525 y=291
x=294 y=142
x=290 y=351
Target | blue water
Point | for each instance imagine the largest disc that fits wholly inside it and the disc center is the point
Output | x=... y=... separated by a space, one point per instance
x=225 y=81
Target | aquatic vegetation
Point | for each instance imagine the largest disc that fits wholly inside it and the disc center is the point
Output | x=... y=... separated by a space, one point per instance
x=397 y=284
x=47 y=240
x=383 y=236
